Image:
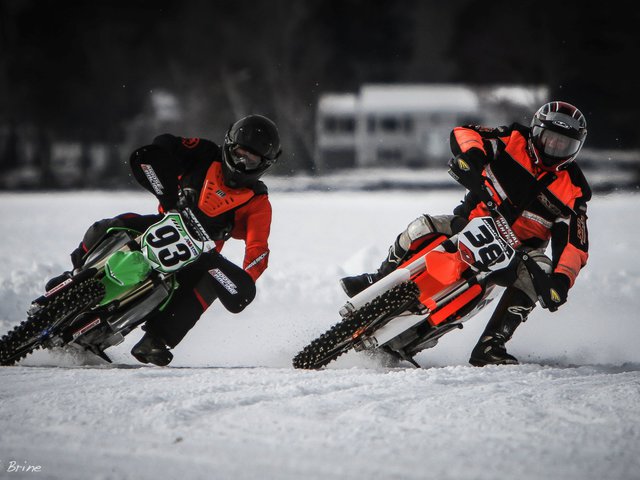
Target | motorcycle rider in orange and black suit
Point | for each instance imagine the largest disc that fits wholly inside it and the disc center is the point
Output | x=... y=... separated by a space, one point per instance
x=530 y=173
x=221 y=186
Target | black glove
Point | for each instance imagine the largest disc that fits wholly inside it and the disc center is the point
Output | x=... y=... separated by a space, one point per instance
x=555 y=291
x=466 y=169
x=187 y=197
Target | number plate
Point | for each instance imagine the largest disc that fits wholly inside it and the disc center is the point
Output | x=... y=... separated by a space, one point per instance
x=481 y=246
x=168 y=246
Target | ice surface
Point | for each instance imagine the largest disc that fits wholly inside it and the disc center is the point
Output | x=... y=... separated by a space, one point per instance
x=231 y=406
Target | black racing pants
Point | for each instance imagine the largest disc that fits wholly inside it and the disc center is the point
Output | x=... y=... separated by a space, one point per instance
x=200 y=284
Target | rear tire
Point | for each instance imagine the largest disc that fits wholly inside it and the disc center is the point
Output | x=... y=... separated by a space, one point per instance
x=340 y=338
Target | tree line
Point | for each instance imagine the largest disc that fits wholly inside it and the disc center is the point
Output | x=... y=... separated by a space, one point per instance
x=84 y=71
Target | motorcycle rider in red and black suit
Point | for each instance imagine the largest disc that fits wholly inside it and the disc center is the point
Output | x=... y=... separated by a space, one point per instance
x=221 y=185
x=530 y=173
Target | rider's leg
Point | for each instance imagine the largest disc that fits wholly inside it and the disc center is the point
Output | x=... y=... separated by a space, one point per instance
x=167 y=328
x=93 y=235
x=199 y=286
x=419 y=229
x=514 y=307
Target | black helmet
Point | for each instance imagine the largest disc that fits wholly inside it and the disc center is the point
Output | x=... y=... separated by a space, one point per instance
x=251 y=146
x=558 y=131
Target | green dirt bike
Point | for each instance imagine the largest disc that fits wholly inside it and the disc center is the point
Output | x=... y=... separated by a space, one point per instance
x=125 y=278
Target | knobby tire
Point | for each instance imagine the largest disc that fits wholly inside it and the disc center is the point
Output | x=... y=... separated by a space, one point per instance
x=340 y=338
x=31 y=333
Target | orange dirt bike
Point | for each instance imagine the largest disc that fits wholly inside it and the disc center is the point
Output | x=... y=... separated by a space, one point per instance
x=444 y=284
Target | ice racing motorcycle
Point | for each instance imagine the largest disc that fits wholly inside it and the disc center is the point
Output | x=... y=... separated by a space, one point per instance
x=443 y=285
x=125 y=278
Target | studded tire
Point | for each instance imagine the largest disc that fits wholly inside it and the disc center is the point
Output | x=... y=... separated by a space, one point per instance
x=341 y=337
x=30 y=334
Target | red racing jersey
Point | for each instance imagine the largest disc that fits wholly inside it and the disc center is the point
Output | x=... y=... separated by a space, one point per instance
x=241 y=213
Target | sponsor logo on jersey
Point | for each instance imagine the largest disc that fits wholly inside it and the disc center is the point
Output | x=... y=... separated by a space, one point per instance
x=154 y=181
x=581 y=230
x=544 y=200
x=464 y=166
x=257 y=260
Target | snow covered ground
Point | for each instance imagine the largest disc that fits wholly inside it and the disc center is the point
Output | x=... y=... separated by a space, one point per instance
x=231 y=406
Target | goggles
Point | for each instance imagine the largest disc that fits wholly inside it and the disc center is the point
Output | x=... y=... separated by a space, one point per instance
x=554 y=147
x=244 y=159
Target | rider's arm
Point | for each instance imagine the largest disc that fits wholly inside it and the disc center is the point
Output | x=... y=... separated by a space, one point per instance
x=471 y=150
x=476 y=141
x=569 y=235
x=466 y=139
x=159 y=166
x=186 y=152
x=570 y=243
x=471 y=144
x=253 y=224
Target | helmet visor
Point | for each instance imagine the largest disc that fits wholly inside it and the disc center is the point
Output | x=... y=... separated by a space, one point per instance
x=553 y=146
x=245 y=160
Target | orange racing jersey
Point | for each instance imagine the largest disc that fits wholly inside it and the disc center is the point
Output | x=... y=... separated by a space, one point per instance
x=542 y=207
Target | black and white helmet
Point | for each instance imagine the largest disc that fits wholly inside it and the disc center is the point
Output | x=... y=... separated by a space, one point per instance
x=558 y=131
x=251 y=146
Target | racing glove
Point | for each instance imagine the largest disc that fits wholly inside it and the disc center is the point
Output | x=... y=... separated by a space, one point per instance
x=187 y=198
x=555 y=292
x=467 y=167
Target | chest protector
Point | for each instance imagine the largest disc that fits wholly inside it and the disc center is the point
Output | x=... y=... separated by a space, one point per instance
x=216 y=198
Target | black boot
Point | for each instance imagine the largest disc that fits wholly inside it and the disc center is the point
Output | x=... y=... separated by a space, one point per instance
x=490 y=350
x=151 y=349
x=513 y=309
x=356 y=284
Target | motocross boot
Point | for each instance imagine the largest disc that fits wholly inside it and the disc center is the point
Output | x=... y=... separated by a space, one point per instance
x=151 y=349
x=354 y=285
x=513 y=309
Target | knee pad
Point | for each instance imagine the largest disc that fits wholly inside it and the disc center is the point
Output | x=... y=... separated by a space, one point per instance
x=423 y=226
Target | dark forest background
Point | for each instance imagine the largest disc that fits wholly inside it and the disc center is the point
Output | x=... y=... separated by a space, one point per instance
x=84 y=71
